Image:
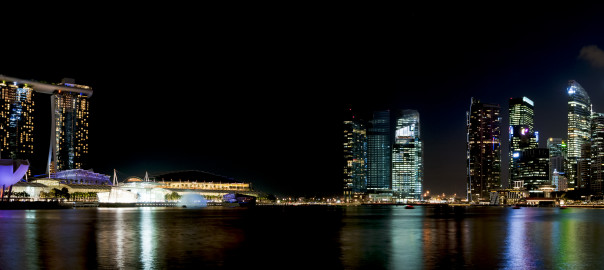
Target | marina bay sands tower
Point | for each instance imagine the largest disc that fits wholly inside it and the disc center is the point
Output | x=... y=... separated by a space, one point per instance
x=69 y=122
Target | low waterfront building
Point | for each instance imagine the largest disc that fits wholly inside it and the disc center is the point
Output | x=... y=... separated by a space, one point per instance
x=85 y=177
x=508 y=196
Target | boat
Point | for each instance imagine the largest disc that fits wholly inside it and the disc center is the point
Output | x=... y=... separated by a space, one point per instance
x=408 y=206
x=563 y=207
x=516 y=207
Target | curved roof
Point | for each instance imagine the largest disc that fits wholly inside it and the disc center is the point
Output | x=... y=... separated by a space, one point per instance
x=192 y=175
x=577 y=93
x=49 y=88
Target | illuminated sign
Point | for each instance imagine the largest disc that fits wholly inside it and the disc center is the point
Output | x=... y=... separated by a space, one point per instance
x=516 y=155
x=527 y=100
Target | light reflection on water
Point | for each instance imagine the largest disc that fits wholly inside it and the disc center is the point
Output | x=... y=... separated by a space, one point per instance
x=362 y=237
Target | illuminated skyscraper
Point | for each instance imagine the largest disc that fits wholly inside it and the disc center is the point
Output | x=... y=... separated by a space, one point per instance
x=521 y=132
x=483 y=150
x=16 y=120
x=69 y=136
x=597 y=153
x=557 y=156
x=69 y=124
x=579 y=129
x=407 y=157
x=355 y=157
x=533 y=168
x=378 y=152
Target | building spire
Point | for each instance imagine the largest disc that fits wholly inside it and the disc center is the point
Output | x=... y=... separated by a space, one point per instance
x=115 y=183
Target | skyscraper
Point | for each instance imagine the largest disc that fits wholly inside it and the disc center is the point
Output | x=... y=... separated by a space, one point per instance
x=69 y=136
x=16 y=120
x=378 y=152
x=557 y=156
x=355 y=157
x=521 y=132
x=69 y=114
x=407 y=157
x=597 y=153
x=533 y=169
x=579 y=129
x=483 y=150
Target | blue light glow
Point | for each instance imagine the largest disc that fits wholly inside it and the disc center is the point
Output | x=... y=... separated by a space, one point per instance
x=571 y=90
x=516 y=155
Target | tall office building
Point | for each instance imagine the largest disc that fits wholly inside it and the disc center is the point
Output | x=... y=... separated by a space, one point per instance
x=407 y=157
x=597 y=153
x=533 y=168
x=483 y=150
x=557 y=156
x=378 y=152
x=16 y=120
x=69 y=136
x=521 y=132
x=579 y=129
x=355 y=157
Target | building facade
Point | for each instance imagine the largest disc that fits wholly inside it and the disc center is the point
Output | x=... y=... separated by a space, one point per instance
x=557 y=156
x=69 y=136
x=534 y=168
x=407 y=157
x=522 y=134
x=378 y=152
x=597 y=153
x=16 y=120
x=355 y=158
x=579 y=129
x=483 y=150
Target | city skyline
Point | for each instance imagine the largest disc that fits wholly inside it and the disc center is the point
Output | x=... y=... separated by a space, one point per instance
x=260 y=100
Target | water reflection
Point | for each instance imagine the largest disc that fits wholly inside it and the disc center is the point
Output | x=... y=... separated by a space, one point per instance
x=147 y=238
x=363 y=237
x=407 y=236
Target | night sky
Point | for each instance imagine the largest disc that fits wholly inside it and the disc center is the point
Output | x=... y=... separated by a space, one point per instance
x=257 y=93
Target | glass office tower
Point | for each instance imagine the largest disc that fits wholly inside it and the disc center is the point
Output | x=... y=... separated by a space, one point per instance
x=533 y=169
x=483 y=150
x=579 y=129
x=355 y=157
x=557 y=156
x=16 y=120
x=521 y=132
x=597 y=153
x=407 y=157
x=378 y=152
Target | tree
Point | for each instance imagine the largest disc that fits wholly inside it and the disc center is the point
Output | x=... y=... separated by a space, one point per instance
x=174 y=196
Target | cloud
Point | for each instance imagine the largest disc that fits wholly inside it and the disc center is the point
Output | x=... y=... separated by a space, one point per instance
x=593 y=55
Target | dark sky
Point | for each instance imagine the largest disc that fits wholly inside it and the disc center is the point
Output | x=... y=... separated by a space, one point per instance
x=256 y=92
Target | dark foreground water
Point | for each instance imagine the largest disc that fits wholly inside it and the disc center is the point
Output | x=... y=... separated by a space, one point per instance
x=362 y=237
